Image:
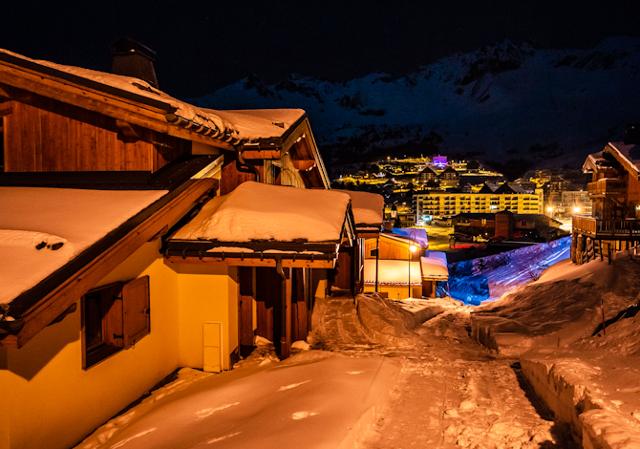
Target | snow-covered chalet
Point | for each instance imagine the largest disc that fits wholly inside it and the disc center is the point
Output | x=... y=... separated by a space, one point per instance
x=614 y=191
x=140 y=234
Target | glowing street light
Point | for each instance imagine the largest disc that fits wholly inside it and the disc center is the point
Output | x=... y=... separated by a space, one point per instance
x=549 y=209
x=576 y=209
x=412 y=249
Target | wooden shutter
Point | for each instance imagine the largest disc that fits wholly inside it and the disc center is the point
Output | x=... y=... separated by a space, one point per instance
x=136 y=308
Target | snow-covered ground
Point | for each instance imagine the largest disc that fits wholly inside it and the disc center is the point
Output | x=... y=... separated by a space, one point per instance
x=312 y=400
x=575 y=331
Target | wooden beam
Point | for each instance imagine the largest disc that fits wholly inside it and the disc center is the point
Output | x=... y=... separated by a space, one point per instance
x=261 y=154
x=6 y=108
x=9 y=341
x=240 y=262
x=58 y=300
x=304 y=164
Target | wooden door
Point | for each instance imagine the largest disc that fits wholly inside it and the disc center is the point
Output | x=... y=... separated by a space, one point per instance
x=245 y=310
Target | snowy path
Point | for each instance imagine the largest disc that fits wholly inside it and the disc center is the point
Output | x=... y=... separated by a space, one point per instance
x=313 y=400
x=451 y=393
x=337 y=326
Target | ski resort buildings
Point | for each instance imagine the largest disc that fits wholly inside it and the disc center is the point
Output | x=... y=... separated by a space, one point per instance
x=486 y=200
x=139 y=234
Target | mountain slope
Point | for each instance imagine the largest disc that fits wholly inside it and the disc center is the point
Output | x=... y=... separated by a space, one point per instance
x=505 y=101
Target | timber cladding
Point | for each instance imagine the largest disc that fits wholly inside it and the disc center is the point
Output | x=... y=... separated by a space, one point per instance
x=38 y=139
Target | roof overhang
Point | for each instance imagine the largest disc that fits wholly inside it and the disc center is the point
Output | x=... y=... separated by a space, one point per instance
x=37 y=307
x=21 y=76
x=258 y=254
x=628 y=164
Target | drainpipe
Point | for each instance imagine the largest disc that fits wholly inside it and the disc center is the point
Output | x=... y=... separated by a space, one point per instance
x=243 y=167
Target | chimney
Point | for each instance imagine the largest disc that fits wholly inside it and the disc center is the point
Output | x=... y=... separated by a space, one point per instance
x=131 y=58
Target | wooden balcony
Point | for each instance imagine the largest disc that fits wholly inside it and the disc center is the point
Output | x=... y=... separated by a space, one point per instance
x=606 y=187
x=625 y=229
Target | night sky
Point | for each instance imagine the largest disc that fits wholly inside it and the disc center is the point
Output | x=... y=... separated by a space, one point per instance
x=204 y=45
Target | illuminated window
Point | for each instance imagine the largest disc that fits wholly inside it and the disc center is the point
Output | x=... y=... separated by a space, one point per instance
x=114 y=317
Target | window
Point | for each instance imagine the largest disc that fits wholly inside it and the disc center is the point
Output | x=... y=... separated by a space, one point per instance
x=114 y=317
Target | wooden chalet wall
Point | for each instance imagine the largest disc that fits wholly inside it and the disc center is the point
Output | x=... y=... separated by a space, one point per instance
x=37 y=139
x=633 y=196
x=390 y=248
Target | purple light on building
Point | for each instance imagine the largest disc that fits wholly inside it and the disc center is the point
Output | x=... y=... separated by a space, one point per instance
x=440 y=161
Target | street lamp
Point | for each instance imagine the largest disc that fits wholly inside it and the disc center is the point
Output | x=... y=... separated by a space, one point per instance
x=412 y=249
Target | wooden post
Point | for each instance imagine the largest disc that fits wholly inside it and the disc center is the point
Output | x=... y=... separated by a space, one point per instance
x=309 y=295
x=377 y=260
x=600 y=248
x=285 y=339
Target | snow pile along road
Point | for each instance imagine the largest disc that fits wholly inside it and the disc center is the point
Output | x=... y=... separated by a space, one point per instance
x=575 y=331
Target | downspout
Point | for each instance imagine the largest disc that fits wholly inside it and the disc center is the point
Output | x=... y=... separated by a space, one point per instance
x=243 y=167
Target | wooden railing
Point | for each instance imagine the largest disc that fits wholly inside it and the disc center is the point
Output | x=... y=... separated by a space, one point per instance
x=584 y=225
x=606 y=186
x=595 y=227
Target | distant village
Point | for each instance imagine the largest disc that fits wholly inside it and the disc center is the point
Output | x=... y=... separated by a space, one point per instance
x=477 y=201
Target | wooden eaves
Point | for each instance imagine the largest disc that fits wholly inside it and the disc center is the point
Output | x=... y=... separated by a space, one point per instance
x=252 y=254
x=36 y=308
x=629 y=165
x=29 y=76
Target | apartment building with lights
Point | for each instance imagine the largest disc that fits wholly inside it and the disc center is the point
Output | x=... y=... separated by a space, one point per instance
x=448 y=204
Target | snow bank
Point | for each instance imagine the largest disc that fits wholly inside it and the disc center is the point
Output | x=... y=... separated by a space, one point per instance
x=561 y=309
x=393 y=323
x=575 y=331
x=578 y=391
x=41 y=229
x=255 y=211
x=312 y=399
x=367 y=207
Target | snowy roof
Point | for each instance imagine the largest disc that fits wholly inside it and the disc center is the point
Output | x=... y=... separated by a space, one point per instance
x=263 y=212
x=367 y=207
x=229 y=126
x=630 y=153
x=592 y=161
x=392 y=272
x=260 y=123
x=409 y=236
x=41 y=229
x=434 y=266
